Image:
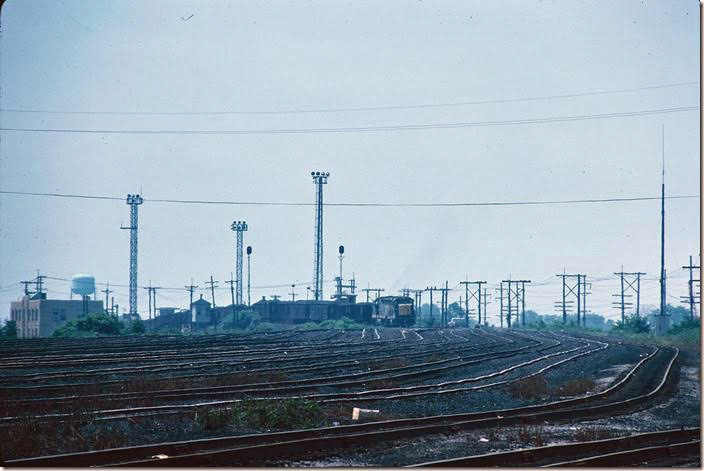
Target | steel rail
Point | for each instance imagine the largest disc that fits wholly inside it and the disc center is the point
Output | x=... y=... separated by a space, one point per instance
x=355 y=361
x=690 y=448
x=259 y=452
x=420 y=425
x=551 y=455
x=312 y=383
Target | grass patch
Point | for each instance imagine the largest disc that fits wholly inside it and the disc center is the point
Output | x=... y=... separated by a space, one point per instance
x=575 y=387
x=286 y=414
x=532 y=387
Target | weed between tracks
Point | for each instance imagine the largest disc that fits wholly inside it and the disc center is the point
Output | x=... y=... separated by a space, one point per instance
x=537 y=387
x=286 y=414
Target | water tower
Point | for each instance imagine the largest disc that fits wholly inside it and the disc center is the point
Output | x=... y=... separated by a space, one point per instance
x=85 y=286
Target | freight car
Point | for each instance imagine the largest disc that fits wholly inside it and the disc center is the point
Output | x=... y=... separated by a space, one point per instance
x=299 y=312
x=394 y=311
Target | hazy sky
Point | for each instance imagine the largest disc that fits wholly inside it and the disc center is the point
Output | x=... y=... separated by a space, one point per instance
x=238 y=56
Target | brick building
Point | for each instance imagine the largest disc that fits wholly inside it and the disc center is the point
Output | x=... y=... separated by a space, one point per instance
x=37 y=316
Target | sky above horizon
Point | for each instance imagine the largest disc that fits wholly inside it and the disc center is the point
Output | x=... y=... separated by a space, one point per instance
x=262 y=67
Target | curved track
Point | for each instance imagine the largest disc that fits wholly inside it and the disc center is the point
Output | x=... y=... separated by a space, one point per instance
x=643 y=383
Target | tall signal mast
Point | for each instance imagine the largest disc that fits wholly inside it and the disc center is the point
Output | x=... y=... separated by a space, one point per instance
x=133 y=201
x=239 y=227
x=319 y=179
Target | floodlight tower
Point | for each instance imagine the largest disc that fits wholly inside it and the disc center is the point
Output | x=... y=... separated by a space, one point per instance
x=133 y=201
x=239 y=227
x=319 y=179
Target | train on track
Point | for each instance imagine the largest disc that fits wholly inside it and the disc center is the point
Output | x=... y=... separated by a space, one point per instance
x=395 y=311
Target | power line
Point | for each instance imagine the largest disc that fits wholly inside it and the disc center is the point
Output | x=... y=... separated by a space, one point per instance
x=397 y=127
x=393 y=205
x=362 y=108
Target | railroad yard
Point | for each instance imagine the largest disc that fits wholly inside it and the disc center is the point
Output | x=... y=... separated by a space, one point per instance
x=443 y=397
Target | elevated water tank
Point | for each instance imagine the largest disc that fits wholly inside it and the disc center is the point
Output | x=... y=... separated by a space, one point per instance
x=83 y=284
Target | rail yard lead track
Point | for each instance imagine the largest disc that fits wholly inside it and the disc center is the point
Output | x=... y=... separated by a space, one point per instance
x=622 y=451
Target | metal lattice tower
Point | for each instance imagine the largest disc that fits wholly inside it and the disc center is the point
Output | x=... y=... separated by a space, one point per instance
x=320 y=179
x=133 y=201
x=239 y=227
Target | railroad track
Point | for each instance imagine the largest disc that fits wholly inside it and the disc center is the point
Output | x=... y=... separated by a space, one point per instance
x=622 y=451
x=287 y=386
x=414 y=371
x=643 y=384
x=265 y=356
x=355 y=362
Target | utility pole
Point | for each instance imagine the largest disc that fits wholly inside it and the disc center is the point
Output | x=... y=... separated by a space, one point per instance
x=431 y=289
x=378 y=292
x=212 y=284
x=662 y=320
x=474 y=295
x=133 y=201
x=466 y=302
x=584 y=299
x=501 y=304
x=239 y=227
x=191 y=288
x=154 y=288
x=149 y=290
x=107 y=292
x=628 y=284
x=39 y=282
x=577 y=290
x=26 y=284
x=232 y=283
x=444 y=307
x=691 y=298
x=249 y=286
x=522 y=298
x=112 y=307
x=319 y=179
x=484 y=301
x=293 y=293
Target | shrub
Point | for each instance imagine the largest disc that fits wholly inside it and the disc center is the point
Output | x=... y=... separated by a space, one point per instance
x=213 y=419
x=137 y=326
x=286 y=414
x=96 y=324
x=575 y=387
x=685 y=326
x=633 y=324
x=532 y=387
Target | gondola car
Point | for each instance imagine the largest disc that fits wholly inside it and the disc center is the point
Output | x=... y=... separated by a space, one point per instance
x=396 y=311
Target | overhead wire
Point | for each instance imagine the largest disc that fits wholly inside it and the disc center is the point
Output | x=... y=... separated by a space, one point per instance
x=352 y=129
x=393 y=205
x=350 y=109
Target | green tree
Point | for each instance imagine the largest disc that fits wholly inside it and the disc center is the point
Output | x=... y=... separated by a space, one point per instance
x=137 y=326
x=633 y=324
x=97 y=324
x=9 y=330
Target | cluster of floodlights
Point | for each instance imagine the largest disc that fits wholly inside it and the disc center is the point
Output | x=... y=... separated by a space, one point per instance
x=134 y=199
x=320 y=176
x=239 y=226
